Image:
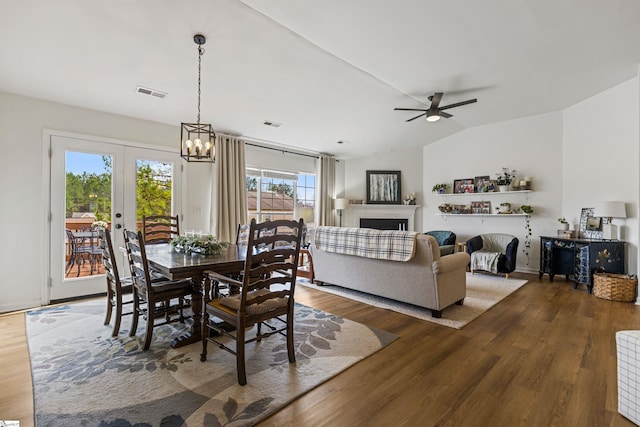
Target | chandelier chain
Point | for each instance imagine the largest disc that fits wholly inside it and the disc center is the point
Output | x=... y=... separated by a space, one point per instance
x=200 y=53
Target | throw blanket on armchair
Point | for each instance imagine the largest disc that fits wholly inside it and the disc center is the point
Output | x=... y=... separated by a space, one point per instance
x=487 y=258
x=365 y=242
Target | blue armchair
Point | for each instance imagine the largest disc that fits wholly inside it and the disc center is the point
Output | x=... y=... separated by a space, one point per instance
x=446 y=240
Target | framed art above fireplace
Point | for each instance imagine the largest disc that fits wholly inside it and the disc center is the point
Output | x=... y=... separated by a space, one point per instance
x=383 y=188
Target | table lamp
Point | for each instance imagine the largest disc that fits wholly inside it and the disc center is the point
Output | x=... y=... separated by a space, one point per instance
x=340 y=205
x=610 y=210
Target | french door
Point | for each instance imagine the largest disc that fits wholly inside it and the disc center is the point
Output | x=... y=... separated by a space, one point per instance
x=102 y=183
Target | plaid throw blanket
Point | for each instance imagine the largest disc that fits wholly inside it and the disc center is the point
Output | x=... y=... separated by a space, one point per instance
x=378 y=244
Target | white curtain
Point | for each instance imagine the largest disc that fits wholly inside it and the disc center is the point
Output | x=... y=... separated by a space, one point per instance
x=326 y=189
x=231 y=189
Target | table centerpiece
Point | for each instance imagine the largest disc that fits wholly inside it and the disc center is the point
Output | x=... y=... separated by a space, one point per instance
x=199 y=244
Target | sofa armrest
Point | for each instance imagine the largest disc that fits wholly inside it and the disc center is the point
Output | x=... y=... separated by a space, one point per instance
x=457 y=261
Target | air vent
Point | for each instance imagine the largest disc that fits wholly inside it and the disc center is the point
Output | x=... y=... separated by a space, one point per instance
x=272 y=124
x=146 y=91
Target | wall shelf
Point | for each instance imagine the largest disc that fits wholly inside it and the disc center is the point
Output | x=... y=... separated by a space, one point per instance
x=489 y=193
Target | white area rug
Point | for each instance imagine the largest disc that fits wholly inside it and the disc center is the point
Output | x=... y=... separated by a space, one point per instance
x=483 y=292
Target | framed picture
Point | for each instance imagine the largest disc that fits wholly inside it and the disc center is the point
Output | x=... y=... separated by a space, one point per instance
x=590 y=226
x=463 y=186
x=476 y=207
x=486 y=207
x=383 y=188
x=483 y=184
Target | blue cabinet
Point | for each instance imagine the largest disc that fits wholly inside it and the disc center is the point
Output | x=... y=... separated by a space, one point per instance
x=578 y=259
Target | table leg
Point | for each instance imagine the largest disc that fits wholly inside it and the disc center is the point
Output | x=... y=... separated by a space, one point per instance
x=195 y=334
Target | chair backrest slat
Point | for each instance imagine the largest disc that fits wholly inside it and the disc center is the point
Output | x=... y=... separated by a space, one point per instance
x=160 y=228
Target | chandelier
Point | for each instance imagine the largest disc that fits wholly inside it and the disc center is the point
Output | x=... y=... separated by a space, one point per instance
x=197 y=140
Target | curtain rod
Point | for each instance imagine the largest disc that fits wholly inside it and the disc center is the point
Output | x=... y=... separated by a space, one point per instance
x=280 y=149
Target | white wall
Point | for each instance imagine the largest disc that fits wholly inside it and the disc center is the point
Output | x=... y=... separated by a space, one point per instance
x=532 y=146
x=409 y=162
x=22 y=215
x=601 y=158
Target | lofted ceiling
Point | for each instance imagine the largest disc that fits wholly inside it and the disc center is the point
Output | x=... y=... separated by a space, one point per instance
x=329 y=70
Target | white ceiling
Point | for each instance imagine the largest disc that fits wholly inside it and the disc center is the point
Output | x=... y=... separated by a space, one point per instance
x=328 y=70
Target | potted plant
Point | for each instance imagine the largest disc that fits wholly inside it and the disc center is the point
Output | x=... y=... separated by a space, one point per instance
x=564 y=225
x=440 y=188
x=527 y=210
x=505 y=178
x=504 y=208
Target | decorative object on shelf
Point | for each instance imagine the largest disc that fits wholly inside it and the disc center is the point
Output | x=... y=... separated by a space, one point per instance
x=340 y=205
x=463 y=186
x=504 y=208
x=197 y=140
x=356 y=201
x=610 y=210
x=483 y=184
x=383 y=188
x=525 y=184
x=199 y=244
x=410 y=199
x=526 y=247
x=564 y=224
x=440 y=188
x=445 y=208
x=505 y=178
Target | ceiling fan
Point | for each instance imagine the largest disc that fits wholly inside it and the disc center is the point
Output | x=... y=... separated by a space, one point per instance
x=434 y=112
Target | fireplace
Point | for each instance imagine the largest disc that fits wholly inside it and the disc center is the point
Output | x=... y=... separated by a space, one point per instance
x=384 y=217
x=385 y=223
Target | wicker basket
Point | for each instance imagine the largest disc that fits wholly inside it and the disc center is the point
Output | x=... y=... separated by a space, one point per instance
x=615 y=287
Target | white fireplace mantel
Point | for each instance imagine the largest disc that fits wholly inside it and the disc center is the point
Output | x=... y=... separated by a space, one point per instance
x=355 y=212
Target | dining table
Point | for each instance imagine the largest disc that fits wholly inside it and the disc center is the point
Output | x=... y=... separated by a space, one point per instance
x=175 y=265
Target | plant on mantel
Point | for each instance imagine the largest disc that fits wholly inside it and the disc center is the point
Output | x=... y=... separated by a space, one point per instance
x=527 y=210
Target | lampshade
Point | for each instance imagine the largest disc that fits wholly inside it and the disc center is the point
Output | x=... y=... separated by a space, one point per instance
x=340 y=204
x=610 y=210
x=306 y=213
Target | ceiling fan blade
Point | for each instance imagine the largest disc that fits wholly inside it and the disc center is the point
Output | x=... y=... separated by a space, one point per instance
x=409 y=109
x=458 y=104
x=435 y=100
x=423 y=114
x=445 y=115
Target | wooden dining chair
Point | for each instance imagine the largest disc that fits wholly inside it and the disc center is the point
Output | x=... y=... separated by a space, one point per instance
x=160 y=228
x=117 y=287
x=166 y=299
x=264 y=297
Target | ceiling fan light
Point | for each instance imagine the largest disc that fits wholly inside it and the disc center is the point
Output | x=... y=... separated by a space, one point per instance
x=433 y=116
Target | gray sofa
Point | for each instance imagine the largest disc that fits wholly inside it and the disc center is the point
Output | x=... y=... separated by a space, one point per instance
x=426 y=280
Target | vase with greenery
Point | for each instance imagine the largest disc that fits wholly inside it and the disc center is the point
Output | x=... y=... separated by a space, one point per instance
x=505 y=178
x=564 y=224
x=203 y=245
x=440 y=188
x=527 y=210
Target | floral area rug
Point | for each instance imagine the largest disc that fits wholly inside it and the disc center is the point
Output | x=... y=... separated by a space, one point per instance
x=83 y=376
x=483 y=292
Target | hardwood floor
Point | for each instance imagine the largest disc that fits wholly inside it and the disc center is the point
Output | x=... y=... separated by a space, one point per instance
x=544 y=356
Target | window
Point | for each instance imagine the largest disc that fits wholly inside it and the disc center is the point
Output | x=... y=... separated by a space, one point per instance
x=275 y=195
